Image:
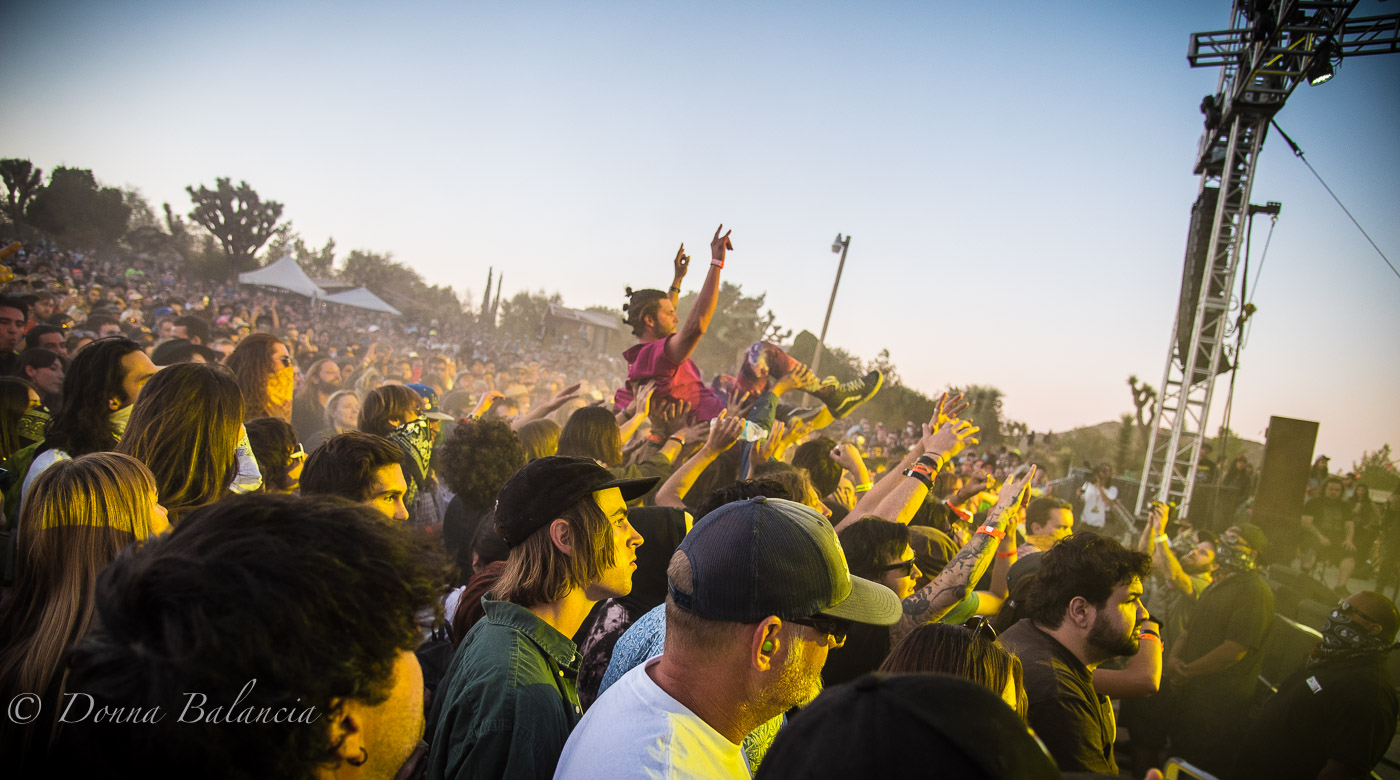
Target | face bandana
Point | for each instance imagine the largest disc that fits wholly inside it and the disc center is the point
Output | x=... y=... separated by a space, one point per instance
x=417 y=438
x=1235 y=558
x=280 y=386
x=120 y=418
x=1343 y=636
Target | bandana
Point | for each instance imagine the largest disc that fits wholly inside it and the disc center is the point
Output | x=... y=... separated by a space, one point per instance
x=1343 y=637
x=281 y=386
x=120 y=418
x=1236 y=558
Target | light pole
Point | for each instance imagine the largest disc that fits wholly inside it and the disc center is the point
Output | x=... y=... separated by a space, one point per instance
x=839 y=245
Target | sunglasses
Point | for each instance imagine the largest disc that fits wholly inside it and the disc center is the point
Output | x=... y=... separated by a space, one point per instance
x=978 y=625
x=826 y=624
x=907 y=566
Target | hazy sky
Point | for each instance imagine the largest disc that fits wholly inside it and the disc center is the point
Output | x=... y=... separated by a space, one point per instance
x=1016 y=176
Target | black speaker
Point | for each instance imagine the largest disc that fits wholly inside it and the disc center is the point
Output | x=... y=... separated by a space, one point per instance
x=1283 y=483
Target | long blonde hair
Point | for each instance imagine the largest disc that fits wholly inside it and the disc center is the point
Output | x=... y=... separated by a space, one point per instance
x=77 y=516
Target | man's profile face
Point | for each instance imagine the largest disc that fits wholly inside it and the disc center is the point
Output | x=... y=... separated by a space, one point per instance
x=616 y=581
x=800 y=676
x=1200 y=560
x=49 y=379
x=1115 y=629
x=137 y=369
x=386 y=492
x=11 y=328
x=901 y=580
x=1058 y=524
x=665 y=320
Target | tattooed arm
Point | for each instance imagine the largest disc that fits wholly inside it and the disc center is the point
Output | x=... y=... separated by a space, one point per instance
x=952 y=584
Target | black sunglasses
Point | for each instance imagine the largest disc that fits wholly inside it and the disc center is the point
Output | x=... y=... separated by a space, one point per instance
x=978 y=624
x=907 y=566
x=837 y=628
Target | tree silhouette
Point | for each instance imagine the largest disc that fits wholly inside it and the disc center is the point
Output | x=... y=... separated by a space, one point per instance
x=76 y=211
x=22 y=182
x=236 y=216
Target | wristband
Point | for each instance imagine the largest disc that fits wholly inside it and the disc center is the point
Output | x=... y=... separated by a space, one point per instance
x=992 y=531
x=655 y=439
x=1011 y=554
x=1146 y=634
x=921 y=476
x=673 y=288
x=865 y=487
x=677 y=438
x=935 y=465
x=716 y=262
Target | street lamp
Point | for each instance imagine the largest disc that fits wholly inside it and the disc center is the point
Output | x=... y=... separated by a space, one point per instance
x=840 y=245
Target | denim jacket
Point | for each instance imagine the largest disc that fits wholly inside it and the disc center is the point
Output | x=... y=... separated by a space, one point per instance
x=508 y=702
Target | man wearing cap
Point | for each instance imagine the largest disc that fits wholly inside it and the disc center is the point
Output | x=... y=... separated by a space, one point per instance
x=508 y=702
x=746 y=637
x=1214 y=665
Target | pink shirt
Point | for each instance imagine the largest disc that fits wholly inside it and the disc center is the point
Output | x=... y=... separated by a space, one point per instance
x=648 y=362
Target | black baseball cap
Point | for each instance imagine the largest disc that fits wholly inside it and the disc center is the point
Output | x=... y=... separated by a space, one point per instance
x=865 y=729
x=768 y=557
x=545 y=488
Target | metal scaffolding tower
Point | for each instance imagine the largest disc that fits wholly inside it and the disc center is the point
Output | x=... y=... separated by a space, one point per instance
x=1271 y=48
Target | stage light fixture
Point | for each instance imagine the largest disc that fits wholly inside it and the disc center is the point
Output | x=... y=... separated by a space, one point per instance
x=1322 y=70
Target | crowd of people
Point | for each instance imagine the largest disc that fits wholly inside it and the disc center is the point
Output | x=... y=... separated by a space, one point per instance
x=254 y=536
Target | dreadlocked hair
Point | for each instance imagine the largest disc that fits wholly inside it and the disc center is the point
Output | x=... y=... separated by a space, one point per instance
x=641 y=304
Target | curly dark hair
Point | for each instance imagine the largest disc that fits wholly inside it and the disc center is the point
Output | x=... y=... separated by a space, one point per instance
x=1085 y=565
x=314 y=598
x=640 y=305
x=477 y=459
x=82 y=423
x=815 y=456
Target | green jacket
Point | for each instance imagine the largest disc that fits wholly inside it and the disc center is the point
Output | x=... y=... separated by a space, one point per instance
x=508 y=701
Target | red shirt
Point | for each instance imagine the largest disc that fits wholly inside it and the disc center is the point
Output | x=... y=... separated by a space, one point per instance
x=648 y=362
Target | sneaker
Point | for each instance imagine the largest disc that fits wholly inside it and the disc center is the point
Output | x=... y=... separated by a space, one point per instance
x=842 y=399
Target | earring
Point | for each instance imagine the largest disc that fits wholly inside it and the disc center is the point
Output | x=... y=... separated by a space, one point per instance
x=767 y=647
x=360 y=761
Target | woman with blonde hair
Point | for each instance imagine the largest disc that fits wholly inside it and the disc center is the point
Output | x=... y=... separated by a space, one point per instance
x=342 y=415
x=77 y=517
x=187 y=427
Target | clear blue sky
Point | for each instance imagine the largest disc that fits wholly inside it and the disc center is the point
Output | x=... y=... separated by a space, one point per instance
x=1016 y=176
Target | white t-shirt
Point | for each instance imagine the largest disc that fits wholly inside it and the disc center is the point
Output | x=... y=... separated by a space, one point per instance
x=1095 y=505
x=636 y=730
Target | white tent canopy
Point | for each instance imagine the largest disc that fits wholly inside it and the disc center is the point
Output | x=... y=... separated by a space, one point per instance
x=362 y=298
x=284 y=274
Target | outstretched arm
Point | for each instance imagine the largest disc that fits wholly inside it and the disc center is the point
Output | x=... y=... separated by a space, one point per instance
x=722 y=436
x=939 y=447
x=952 y=584
x=680 y=345
x=1163 y=558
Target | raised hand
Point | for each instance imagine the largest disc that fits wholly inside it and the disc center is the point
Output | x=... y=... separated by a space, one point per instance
x=668 y=415
x=484 y=405
x=719 y=244
x=772 y=447
x=950 y=438
x=1012 y=497
x=682 y=263
x=639 y=396
x=562 y=397
x=947 y=409
x=725 y=432
x=739 y=403
x=846 y=456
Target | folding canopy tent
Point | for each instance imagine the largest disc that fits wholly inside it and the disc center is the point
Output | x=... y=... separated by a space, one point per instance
x=284 y=274
x=361 y=298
